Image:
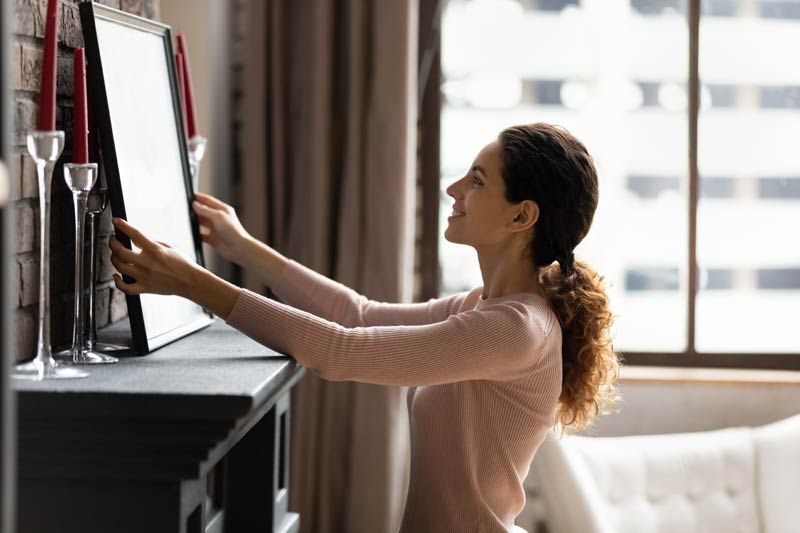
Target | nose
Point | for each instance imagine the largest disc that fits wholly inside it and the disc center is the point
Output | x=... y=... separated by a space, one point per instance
x=452 y=189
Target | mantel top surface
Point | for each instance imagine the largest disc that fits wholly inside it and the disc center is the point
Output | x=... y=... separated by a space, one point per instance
x=215 y=361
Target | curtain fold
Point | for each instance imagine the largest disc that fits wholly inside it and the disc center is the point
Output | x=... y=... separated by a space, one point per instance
x=329 y=146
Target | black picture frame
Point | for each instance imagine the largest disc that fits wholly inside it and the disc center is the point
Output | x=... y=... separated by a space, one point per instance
x=130 y=154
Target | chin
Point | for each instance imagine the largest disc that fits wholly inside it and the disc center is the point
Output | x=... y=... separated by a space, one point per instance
x=449 y=237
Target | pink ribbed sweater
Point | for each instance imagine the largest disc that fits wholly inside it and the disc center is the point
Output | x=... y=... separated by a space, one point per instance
x=486 y=376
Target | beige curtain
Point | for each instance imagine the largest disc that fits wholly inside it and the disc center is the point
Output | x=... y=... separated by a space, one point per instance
x=328 y=147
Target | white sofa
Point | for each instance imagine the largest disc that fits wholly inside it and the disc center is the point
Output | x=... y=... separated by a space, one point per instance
x=737 y=480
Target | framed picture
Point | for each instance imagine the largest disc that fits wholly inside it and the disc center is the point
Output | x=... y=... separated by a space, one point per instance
x=135 y=102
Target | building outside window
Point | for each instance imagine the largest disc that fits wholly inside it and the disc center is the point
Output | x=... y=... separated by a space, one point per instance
x=615 y=74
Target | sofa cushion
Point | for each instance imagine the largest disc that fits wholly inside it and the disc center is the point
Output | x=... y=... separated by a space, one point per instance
x=689 y=482
x=778 y=464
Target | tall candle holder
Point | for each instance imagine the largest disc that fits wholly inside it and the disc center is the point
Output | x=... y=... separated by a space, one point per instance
x=98 y=200
x=80 y=178
x=197 y=149
x=45 y=147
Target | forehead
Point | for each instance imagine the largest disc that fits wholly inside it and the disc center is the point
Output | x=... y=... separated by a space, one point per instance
x=490 y=159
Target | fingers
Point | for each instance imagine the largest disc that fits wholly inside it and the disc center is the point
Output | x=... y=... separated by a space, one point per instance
x=204 y=211
x=126 y=268
x=127 y=256
x=208 y=200
x=136 y=236
x=128 y=288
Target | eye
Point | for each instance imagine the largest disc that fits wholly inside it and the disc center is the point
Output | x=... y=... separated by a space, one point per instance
x=476 y=181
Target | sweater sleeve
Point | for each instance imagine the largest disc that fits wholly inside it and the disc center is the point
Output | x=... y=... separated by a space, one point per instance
x=498 y=342
x=306 y=289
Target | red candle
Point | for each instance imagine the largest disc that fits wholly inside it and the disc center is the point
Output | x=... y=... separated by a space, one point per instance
x=191 y=115
x=94 y=152
x=179 y=66
x=80 y=129
x=47 y=89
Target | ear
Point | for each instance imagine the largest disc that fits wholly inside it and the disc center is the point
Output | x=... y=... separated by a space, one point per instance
x=526 y=217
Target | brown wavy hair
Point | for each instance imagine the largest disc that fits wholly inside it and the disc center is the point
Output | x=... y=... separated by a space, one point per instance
x=545 y=163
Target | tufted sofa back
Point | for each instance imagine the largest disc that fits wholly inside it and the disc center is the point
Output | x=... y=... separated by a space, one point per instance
x=744 y=480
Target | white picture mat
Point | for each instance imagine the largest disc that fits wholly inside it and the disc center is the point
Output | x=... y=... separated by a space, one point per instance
x=143 y=122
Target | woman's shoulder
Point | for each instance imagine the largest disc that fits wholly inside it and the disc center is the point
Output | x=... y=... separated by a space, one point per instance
x=534 y=306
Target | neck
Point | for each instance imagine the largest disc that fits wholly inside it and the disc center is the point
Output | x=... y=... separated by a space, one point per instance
x=507 y=271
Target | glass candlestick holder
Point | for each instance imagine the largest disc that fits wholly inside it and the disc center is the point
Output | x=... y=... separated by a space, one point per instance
x=98 y=200
x=197 y=149
x=80 y=179
x=45 y=147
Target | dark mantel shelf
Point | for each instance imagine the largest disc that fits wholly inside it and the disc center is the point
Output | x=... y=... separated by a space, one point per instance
x=215 y=372
x=167 y=417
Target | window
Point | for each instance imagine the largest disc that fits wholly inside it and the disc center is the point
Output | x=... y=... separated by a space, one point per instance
x=619 y=77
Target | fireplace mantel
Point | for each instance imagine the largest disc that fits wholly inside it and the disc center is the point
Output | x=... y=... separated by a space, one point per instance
x=193 y=437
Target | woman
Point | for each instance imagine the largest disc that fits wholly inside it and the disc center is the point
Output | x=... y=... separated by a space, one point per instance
x=492 y=369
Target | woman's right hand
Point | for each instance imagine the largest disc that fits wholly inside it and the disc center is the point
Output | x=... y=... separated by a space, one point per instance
x=220 y=227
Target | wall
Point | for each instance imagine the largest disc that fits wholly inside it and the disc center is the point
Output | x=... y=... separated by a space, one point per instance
x=681 y=407
x=28 y=26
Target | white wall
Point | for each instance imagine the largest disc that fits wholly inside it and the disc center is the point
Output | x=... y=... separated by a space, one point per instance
x=679 y=407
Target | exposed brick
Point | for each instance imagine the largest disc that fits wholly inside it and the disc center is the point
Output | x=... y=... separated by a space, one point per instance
x=105 y=227
x=29 y=21
x=31 y=65
x=70 y=33
x=16 y=284
x=14 y=170
x=119 y=307
x=40 y=18
x=36 y=223
x=101 y=307
x=132 y=6
x=25 y=333
x=17 y=67
x=151 y=10
x=25 y=118
x=30 y=181
x=24 y=16
x=30 y=280
x=24 y=225
x=106 y=269
x=65 y=78
x=112 y=3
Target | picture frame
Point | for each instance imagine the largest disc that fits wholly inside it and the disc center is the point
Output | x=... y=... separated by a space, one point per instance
x=136 y=105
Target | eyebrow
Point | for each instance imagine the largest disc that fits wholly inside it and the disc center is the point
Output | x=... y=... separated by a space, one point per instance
x=478 y=168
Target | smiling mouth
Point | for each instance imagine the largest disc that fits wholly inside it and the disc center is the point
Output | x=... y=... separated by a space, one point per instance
x=455 y=213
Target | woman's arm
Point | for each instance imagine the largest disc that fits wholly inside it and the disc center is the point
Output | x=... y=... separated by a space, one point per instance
x=302 y=287
x=306 y=289
x=499 y=342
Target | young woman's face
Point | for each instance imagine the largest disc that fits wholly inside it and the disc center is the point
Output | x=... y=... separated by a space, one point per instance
x=481 y=214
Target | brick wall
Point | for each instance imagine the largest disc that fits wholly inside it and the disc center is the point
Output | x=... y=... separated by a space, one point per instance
x=28 y=25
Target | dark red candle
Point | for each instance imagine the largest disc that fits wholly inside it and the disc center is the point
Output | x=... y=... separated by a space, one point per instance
x=191 y=115
x=179 y=66
x=80 y=129
x=47 y=88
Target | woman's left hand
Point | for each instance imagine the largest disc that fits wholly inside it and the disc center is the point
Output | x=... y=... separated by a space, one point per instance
x=158 y=268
